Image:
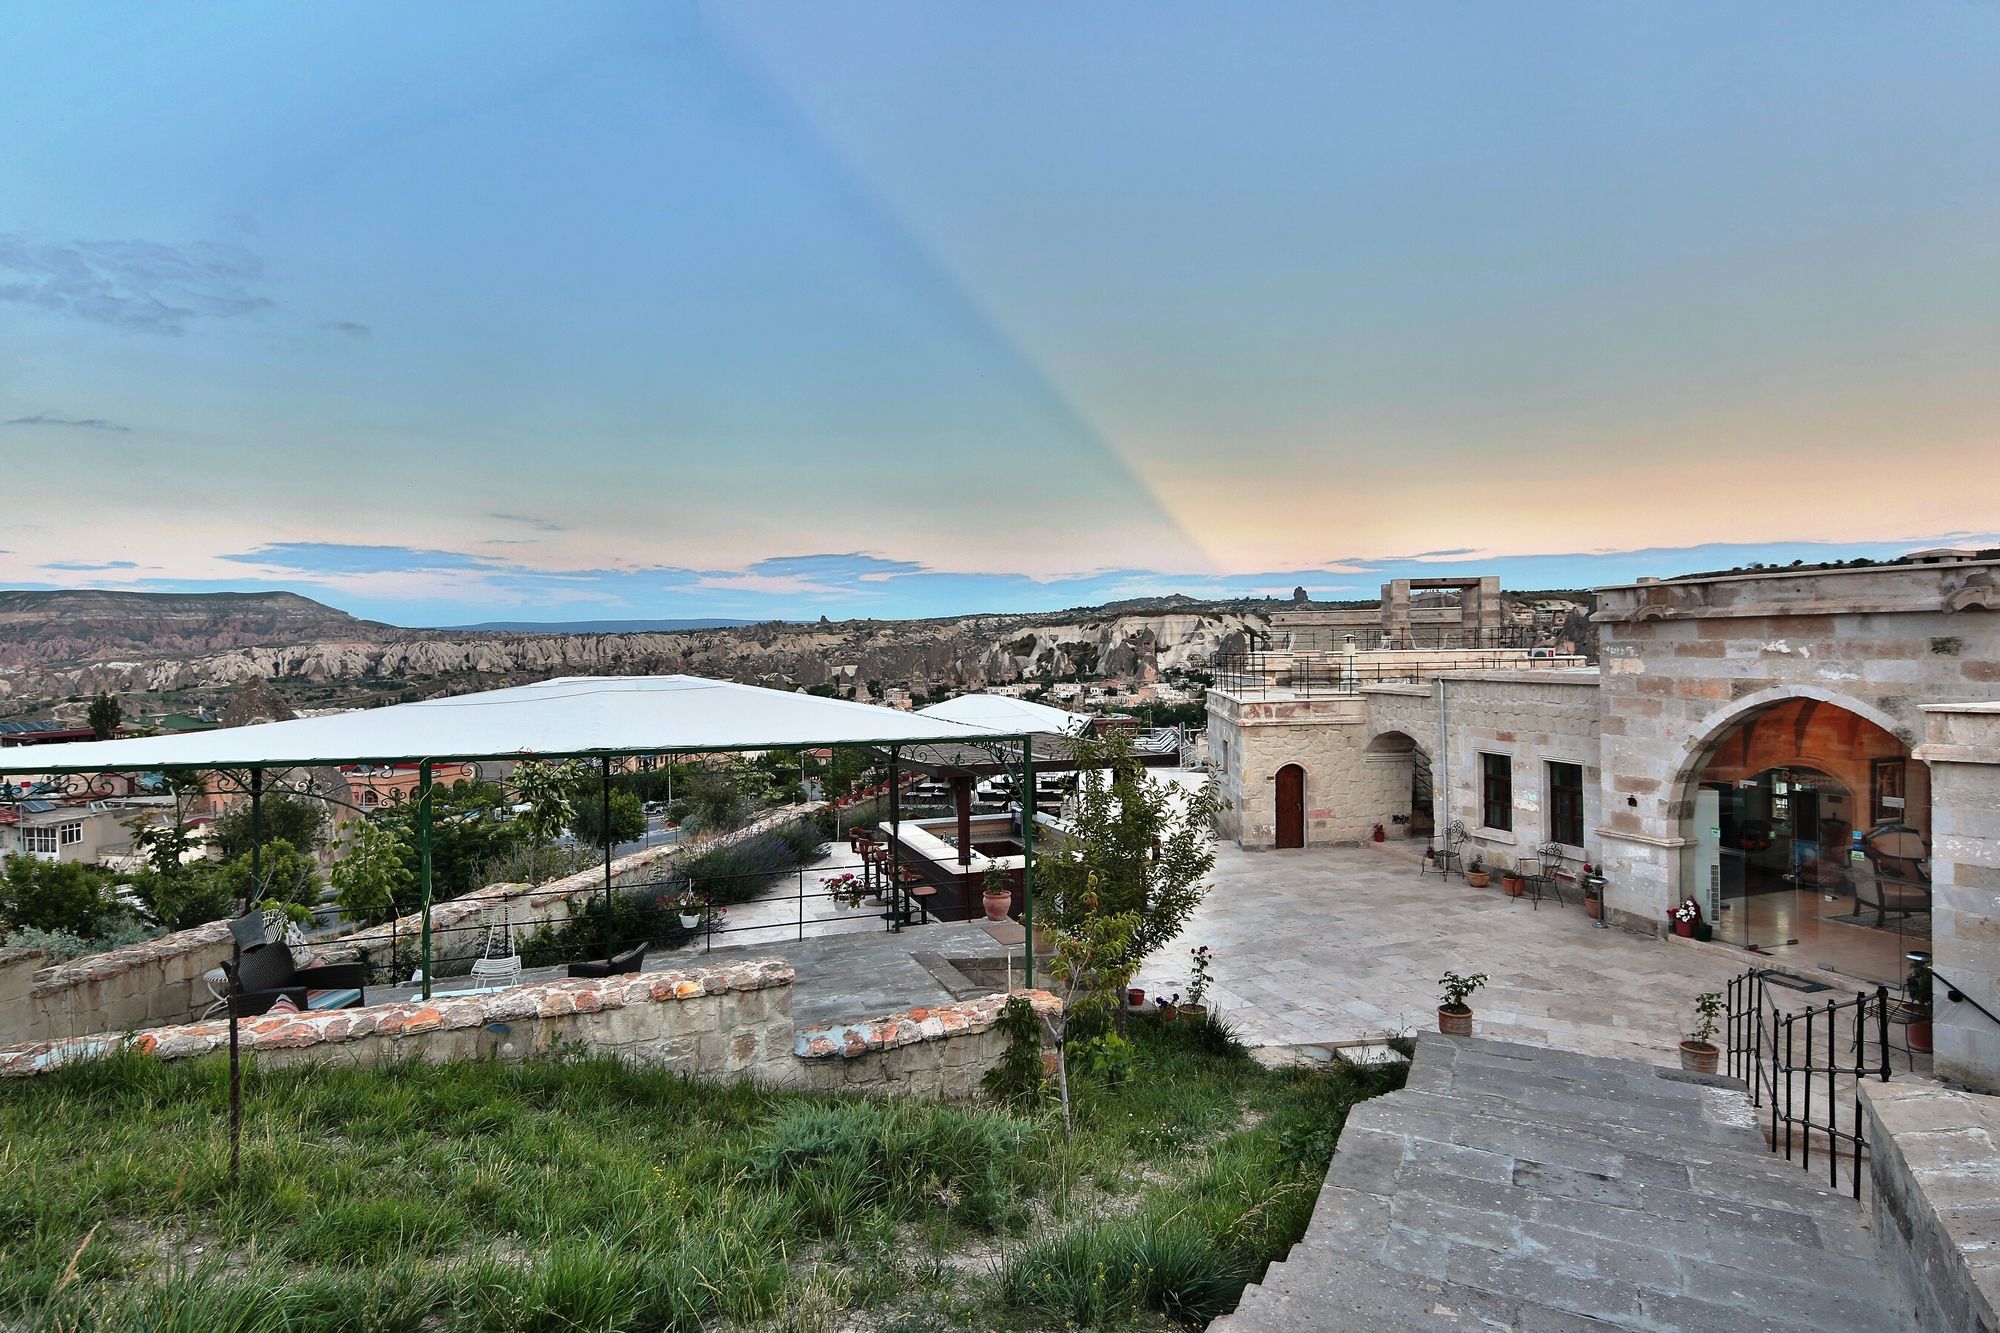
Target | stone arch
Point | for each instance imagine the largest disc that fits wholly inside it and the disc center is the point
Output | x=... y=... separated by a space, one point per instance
x=1400 y=771
x=1695 y=747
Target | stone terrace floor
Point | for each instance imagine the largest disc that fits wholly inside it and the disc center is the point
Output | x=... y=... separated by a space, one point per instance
x=1323 y=946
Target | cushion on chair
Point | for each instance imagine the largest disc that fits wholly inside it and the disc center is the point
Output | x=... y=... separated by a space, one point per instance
x=344 y=998
x=284 y=1005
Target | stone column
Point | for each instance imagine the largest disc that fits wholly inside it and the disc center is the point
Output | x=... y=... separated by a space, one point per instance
x=1963 y=751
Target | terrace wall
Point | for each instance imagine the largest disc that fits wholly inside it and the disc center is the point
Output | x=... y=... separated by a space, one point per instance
x=159 y=982
x=723 y=1024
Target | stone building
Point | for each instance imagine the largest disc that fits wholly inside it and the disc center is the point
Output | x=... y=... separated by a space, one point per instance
x=1813 y=756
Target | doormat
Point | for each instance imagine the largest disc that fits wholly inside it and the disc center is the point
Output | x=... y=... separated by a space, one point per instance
x=1790 y=982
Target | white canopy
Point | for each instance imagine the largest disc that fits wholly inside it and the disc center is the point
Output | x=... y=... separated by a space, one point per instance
x=574 y=715
x=1011 y=716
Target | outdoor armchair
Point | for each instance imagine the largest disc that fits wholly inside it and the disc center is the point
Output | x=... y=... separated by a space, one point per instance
x=268 y=971
x=616 y=965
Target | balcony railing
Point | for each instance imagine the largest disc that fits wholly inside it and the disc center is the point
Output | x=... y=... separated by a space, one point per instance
x=1316 y=675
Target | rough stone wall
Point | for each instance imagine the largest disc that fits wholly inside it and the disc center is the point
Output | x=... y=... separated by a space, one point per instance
x=1963 y=751
x=1250 y=740
x=1934 y=1195
x=719 y=1023
x=1683 y=660
x=1534 y=720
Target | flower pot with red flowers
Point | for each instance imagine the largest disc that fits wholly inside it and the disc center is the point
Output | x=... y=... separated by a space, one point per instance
x=1917 y=999
x=1380 y=834
x=1475 y=873
x=1454 y=1014
x=1699 y=1053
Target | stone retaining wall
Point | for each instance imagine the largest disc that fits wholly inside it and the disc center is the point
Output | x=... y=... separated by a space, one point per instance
x=720 y=1023
x=158 y=982
x=1932 y=1153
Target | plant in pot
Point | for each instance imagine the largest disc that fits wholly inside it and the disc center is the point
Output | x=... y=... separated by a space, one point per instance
x=1917 y=995
x=1454 y=1014
x=1684 y=918
x=1475 y=872
x=1167 y=1006
x=1593 y=892
x=1380 y=835
x=845 y=889
x=690 y=907
x=996 y=898
x=1699 y=1053
x=1511 y=878
x=1197 y=1000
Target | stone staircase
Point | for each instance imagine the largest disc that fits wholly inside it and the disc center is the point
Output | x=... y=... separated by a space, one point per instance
x=1512 y=1187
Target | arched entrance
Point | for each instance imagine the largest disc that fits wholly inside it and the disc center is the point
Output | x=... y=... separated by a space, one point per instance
x=1809 y=832
x=1406 y=788
x=1291 y=806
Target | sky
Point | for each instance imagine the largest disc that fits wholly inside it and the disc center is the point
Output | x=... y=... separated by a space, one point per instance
x=540 y=312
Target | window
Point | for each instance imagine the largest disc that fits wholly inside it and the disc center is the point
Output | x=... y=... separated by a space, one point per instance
x=1566 y=804
x=41 y=842
x=70 y=834
x=1496 y=791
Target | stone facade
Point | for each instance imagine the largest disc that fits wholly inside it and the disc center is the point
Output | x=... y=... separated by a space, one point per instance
x=719 y=1023
x=1683 y=660
x=1249 y=740
x=1963 y=751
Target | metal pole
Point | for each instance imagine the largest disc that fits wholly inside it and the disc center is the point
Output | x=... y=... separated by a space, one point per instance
x=1028 y=858
x=895 y=839
x=604 y=830
x=424 y=861
x=236 y=971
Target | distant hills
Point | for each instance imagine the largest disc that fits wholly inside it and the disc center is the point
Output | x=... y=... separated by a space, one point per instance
x=590 y=626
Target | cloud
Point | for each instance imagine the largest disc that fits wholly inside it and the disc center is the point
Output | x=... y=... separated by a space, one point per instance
x=348 y=327
x=342 y=558
x=145 y=286
x=538 y=524
x=88 y=566
x=72 y=423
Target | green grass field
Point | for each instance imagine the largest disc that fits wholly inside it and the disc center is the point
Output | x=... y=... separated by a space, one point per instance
x=584 y=1195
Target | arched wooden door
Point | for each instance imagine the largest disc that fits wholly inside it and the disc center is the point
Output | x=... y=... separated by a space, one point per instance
x=1291 y=806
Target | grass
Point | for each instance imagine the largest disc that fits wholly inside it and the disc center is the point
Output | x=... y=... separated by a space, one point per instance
x=583 y=1195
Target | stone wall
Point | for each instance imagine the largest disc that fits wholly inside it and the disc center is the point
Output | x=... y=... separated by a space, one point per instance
x=159 y=981
x=1683 y=660
x=1963 y=751
x=719 y=1023
x=1250 y=739
x=1935 y=1196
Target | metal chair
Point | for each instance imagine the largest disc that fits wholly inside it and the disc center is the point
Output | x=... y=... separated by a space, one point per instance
x=1448 y=852
x=1547 y=876
x=499 y=962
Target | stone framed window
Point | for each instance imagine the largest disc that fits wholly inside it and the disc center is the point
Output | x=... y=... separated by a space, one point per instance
x=1496 y=792
x=1566 y=804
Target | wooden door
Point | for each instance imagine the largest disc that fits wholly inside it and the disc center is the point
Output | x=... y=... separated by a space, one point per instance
x=1291 y=806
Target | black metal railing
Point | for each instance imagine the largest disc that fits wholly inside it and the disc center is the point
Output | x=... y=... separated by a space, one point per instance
x=1805 y=1069
x=1318 y=675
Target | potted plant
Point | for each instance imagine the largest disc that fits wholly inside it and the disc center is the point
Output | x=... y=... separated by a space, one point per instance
x=1593 y=892
x=1511 y=879
x=1380 y=835
x=845 y=889
x=1475 y=873
x=996 y=898
x=1699 y=1053
x=1197 y=1000
x=1135 y=997
x=1167 y=1006
x=1917 y=995
x=1454 y=1014
x=1684 y=917
x=690 y=907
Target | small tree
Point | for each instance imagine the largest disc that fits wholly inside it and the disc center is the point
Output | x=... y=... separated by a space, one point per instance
x=549 y=791
x=281 y=818
x=628 y=820
x=105 y=715
x=1137 y=847
x=373 y=873
x=1091 y=967
x=56 y=896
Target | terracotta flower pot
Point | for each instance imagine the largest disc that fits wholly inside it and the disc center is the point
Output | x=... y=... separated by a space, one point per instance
x=1514 y=884
x=1134 y=996
x=1684 y=929
x=1920 y=1034
x=1455 y=1022
x=1167 y=1012
x=996 y=905
x=1700 y=1057
x=1478 y=879
x=1594 y=907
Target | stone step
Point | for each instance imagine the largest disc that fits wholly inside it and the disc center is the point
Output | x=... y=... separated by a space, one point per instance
x=1511 y=1188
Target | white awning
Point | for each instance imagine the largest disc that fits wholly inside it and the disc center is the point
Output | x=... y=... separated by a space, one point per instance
x=1003 y=713
x=571 y=716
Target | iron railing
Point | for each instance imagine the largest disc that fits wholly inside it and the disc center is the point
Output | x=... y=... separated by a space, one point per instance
x=1806 y=1069
x=1318 y=675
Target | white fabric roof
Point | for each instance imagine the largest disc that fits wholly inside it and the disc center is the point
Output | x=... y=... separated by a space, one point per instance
x=573 y=715
x=1000 y=712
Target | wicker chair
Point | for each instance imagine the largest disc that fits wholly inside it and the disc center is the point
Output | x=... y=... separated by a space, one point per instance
x=622 y=964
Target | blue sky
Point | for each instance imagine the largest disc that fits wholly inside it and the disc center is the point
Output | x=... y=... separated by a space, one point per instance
x=545 y=312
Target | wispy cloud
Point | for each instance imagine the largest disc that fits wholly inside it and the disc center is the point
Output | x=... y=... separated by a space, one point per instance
x=70 y=423
x=349 y=328
x=342 y=558
x=88 y=566
x=144 y=286
x=538 y=524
